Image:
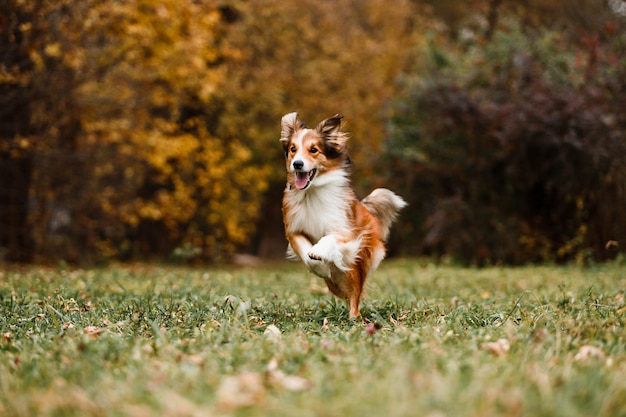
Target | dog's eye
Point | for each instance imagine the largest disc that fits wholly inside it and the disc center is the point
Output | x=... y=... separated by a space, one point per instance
x=293 y=149
x=313 y=150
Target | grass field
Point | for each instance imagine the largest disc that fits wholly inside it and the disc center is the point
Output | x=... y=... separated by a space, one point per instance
x=437 y=341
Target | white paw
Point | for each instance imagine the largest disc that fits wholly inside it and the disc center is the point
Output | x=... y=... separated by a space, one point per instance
x=327 y=250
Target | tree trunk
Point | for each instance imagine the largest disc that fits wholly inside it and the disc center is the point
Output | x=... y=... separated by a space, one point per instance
x=15 y=178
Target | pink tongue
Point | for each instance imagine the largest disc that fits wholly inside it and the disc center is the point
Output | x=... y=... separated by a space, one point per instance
x=302 y=180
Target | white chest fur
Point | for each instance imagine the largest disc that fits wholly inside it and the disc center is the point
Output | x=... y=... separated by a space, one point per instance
x=321 y=209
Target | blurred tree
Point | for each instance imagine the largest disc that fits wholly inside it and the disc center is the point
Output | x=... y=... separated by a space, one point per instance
x=519 y=146
x=168 y=112
x=155 y=67
x=318 y=58
x=37 y=112
x=15 y=158
x=115 y=132
x=142 y=128
x=480 y=18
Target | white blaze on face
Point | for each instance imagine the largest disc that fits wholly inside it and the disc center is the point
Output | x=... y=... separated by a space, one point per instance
x=301 y=163
x=300 y=155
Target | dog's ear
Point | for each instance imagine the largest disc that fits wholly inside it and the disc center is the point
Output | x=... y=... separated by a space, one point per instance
x=330 y=130
x=330 y=126
x=288 y=125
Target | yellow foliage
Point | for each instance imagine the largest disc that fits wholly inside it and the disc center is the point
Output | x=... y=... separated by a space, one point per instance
x=167 y=86
x=159 y=61
x=319 y=59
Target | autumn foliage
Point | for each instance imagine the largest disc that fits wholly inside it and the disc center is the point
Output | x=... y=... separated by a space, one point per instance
x=142 y=129
x=127 y=165
x=520 y=148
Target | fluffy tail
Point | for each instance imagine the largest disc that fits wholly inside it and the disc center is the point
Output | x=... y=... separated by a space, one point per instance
x=384 y=205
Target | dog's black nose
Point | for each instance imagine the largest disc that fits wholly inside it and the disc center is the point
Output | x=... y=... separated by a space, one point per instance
x=298 y=164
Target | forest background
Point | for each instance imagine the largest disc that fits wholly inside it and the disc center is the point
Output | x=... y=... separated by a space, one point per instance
x=144 y=129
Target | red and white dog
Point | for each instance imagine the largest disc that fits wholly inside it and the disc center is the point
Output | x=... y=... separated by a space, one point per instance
x=338 y=237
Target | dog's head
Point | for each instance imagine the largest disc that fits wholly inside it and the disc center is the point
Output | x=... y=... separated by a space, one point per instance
x=312 y=152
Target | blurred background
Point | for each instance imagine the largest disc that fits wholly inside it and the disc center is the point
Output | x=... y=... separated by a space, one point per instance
x=139 y=130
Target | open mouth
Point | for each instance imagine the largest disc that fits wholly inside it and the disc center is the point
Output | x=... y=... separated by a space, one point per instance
x=303 y=178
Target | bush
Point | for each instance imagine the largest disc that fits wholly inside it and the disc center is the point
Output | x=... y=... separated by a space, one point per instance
x=514 y=151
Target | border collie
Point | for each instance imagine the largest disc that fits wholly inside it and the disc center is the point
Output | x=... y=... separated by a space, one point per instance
x=338 y=237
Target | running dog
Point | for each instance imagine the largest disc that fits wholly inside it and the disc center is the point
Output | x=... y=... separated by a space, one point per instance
x=338 y=237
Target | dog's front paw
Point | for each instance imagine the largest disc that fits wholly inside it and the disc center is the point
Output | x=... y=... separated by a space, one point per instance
x=325 y=256
x=327 y=250
x=314 y=256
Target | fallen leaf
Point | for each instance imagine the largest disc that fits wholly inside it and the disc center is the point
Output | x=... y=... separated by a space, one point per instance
x=289 y=382
x=273 y=333
x=93 y=331
x=294 y=383
x=588 y=351
x=193 y=359
x=499 y=348
x=243 y=390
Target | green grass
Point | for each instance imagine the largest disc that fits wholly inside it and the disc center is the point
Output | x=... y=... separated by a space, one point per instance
x=149 y=341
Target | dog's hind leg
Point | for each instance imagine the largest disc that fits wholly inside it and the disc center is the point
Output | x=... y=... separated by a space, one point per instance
x=347 y=286
x=354 y=306
x=355 y=283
